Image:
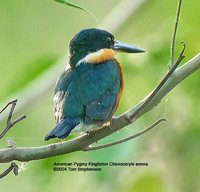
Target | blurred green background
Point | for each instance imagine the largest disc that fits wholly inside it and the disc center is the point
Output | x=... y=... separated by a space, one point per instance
x=34 y=35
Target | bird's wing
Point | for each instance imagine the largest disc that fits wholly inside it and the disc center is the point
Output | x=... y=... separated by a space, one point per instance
x=59 y=94
x=102 y=109
x=98 y=89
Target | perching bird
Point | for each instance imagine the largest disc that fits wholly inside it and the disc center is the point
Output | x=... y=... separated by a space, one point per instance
x=88 y=93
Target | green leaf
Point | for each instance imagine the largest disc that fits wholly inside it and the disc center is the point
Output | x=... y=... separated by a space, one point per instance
x=66 y=2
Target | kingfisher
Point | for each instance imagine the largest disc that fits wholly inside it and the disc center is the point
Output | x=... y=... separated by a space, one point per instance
x=87 y=94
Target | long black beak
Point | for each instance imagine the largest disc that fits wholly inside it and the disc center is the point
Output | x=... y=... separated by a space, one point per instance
x=119 y=46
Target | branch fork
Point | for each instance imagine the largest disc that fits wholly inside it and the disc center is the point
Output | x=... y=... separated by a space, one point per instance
x=11 y=123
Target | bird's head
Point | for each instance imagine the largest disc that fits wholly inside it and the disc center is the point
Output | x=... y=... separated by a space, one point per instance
x=96 y=46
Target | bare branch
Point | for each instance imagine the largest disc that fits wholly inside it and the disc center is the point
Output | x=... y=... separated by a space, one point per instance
x=11 y=123
x=17 y=120
x=9 y=103
x=78 y=144
x=13 y=167
x=11 y=112
x=173 y=43
x=156 y=90
x=125 y=139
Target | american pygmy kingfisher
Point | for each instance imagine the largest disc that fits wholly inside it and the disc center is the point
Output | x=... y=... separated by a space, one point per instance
x=88 y=93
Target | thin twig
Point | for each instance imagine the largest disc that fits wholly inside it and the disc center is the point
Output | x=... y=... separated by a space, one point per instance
x=11 y=123
x=11 y=112
x=18 y=120
x=156 y=90
x=13 y=167
x=171 y=69
x=173 y=43
x=9 y=103
x=125 y=139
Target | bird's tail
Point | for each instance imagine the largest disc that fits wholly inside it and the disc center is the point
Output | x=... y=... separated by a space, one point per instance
x=62 y=129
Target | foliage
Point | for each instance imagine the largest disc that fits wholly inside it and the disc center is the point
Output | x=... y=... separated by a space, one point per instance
x=66 y=2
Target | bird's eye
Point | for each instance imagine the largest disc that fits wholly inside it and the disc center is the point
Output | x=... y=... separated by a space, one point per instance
x=109 y=40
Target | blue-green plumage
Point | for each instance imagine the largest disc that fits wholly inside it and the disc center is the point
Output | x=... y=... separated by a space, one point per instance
x=89 y=91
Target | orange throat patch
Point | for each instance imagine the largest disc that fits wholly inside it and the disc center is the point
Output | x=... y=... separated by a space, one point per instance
x=100 y=56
